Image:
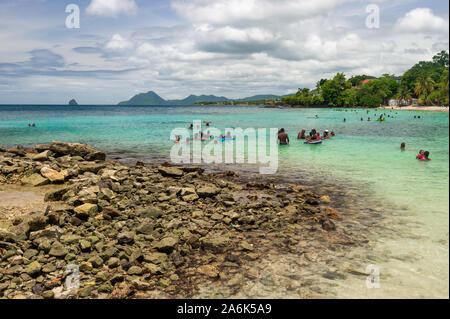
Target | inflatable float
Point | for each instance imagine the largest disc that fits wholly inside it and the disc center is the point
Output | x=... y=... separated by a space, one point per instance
x=315 y=142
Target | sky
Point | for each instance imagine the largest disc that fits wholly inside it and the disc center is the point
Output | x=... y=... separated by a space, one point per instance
x=232 y=48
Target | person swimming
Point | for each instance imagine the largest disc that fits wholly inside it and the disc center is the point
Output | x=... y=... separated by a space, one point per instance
x=191 y=127
x=333 y=134
x=326 y=134
x=403 y=146
x=426 y=156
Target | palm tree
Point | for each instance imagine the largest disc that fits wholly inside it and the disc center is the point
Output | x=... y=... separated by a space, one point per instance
x=424 y=86
x=403 y=94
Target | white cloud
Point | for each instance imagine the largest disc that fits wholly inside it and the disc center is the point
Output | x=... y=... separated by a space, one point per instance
x=111 y=8
x=238 y=11
x=422 y=20
x=118 y=43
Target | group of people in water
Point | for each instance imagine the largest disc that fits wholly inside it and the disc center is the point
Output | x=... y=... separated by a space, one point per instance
x=422 y=156
x=31 y=125
x=313 y=137
x=201 y=136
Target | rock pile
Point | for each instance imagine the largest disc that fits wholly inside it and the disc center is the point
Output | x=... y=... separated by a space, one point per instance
x=134 y=231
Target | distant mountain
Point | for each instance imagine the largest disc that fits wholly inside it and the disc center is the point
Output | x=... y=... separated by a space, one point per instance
x=73 y=102
x=151 y=99
x=144 y=99
x=192 y=99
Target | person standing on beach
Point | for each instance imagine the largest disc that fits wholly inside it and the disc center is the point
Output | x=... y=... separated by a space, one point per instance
x=283 y=137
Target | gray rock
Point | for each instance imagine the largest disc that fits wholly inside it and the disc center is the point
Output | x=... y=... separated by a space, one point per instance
x=167 y=244
x=35 y=180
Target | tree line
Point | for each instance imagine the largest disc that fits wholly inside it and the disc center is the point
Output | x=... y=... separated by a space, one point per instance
x=427 y=81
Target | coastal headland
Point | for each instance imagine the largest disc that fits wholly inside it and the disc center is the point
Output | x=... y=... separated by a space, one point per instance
x=161 y=231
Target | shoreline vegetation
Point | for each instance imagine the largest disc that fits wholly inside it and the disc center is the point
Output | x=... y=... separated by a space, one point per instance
x=425 y=84
x=162 y=231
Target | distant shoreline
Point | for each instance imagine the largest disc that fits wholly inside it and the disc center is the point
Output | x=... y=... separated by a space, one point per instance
x=405 y=108
x=417 y=108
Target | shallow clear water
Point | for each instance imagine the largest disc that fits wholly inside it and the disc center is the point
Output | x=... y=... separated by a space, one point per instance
x=365 y=155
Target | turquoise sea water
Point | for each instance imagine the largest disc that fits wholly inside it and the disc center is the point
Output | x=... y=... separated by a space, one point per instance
x=363 y=154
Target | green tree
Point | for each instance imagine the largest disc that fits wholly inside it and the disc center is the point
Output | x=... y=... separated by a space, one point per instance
x=441 y=58
x=332 y=90
x=403 y=93
x=423 y=87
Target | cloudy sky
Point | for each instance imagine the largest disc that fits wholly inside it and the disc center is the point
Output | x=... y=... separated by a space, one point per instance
x=234 y=48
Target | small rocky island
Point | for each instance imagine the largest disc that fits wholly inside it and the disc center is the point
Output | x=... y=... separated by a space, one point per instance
x=159 y=232
x=73 y=102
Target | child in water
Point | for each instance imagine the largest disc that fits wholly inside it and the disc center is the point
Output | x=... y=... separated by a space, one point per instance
x=421 y=155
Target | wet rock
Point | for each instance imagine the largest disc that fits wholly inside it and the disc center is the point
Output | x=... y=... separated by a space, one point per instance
x=91 y=167
x=245 y=246
x=52 y=175
x=96 y=261
x=218 y=244
x=122 y=290
x=134 y=271
x=208 y=191
x=86 y=267
x=145 y=228
x=35 y=180
x=111 y=211
x=170 y=171
x=325 y=199
x=37 y=222
x=76 y=149
x=332 y=213
x=237 y=280
x=58 y=250
x=85 y=245
x=208 y=270
x=85 y=292
x=155 y=258
x=42 y=147
x=48 y=294
x=86 y=210
x=42 y=157
x=55 y=195
x=167 y=244
x=48 y=268
x=126 y=238
x=95 y=156
x=34 y=269
x=150 y=212
x=328 y=225
x=51 y=233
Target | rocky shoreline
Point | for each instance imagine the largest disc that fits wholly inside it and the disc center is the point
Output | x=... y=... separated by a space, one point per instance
x=157 y=232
